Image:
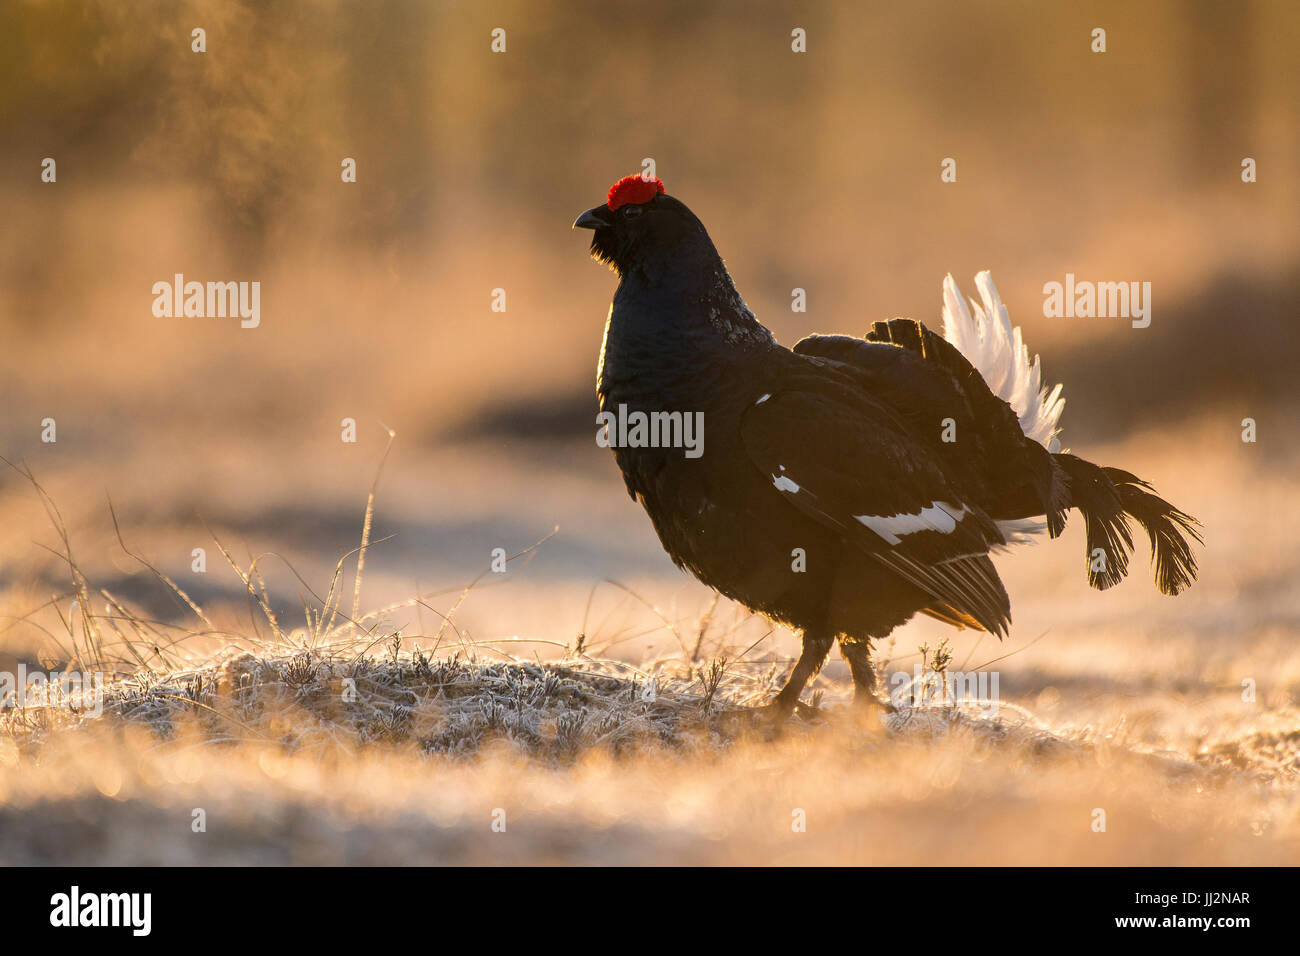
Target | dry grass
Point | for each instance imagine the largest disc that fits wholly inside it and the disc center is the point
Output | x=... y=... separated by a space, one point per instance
x=433 y=751
x=343 y=739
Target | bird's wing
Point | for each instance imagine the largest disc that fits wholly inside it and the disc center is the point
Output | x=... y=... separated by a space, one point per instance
x=926 y=380
x=833 y=455
x=903 y=363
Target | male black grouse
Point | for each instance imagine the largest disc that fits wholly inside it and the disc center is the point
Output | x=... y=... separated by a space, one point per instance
x=852 y=482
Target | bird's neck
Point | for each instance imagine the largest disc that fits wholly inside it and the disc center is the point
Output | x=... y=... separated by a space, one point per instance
x=687 y=308
x=676 y=335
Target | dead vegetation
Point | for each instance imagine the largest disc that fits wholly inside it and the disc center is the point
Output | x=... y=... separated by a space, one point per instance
x=405 y=739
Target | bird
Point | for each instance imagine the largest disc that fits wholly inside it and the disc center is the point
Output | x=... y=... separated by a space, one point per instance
x=842 y=486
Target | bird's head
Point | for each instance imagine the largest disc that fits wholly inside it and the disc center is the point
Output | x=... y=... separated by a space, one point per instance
x=639 y=224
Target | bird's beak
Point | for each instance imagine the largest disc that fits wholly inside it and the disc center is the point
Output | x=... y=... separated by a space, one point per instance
x=592 y=219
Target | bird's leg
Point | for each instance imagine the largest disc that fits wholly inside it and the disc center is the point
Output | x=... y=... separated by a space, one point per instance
x=857 y=651
x=816 y=645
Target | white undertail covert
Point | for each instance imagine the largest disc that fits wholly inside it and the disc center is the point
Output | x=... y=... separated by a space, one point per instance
x=984 y=334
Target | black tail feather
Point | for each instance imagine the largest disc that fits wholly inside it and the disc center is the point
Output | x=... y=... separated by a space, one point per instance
x=1110 y=542
x=1168 y=528
x=1108 y=497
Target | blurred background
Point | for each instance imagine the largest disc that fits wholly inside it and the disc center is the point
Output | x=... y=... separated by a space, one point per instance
x=817 y=170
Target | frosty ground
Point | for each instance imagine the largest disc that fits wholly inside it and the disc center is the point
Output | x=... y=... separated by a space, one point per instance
x=339 y=753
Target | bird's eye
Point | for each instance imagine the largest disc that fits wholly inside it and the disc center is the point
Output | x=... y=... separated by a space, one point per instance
x=631 y=209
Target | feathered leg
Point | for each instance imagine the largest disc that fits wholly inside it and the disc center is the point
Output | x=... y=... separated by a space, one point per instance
x=857 y=651
x=816 y=645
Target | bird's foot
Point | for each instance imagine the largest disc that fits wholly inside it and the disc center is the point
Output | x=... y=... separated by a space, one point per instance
x=867 y=701
x=807 y=711
x=869 y=711
x=770 y=718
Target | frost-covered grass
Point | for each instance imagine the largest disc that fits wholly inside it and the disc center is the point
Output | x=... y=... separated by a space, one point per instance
x=236 y=738
x=435 y=755
x=429 y=756
x=432 y=755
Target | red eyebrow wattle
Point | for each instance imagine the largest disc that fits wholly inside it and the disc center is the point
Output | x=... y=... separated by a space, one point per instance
x=635 y=190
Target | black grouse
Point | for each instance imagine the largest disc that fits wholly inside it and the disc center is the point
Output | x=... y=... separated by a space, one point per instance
x=845 y=485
